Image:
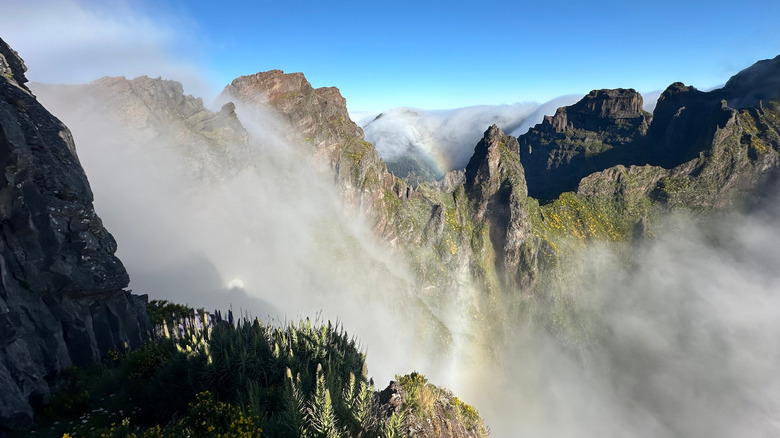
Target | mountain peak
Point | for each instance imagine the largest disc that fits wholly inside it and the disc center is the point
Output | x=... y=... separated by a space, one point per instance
x=495 y=159
x=598 y=109
x=601 y=130
x=319 y=115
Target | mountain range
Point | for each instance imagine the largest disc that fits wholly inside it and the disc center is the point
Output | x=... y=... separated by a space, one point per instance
x=494 y=236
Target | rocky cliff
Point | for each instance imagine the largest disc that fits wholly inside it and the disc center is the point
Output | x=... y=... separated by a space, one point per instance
x=599 y=170
x=62 y=301
x=318 y=119
x=603 y=129
x=496 y=186
x=605 y=169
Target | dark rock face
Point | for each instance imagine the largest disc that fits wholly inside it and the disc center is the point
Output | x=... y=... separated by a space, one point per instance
x=61 y=297
x=719 y=145
x=320 y=120
x=603 y=129
x=601 y=110
x=496 y=186
x=757 y=83
x=683 y=121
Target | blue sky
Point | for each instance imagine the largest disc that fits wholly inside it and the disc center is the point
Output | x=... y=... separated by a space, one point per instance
x=430 y=55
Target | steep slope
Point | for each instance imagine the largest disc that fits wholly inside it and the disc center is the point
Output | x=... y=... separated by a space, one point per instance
x=154 y=112
x=61 y=298
x=318 y=119
x=721 y=145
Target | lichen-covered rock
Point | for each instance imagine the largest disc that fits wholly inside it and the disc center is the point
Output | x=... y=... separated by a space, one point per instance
x=156 y=113
x=429 y=411
x=61 y=297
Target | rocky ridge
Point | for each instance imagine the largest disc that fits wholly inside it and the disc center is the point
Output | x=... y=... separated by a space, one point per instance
x=151 y=112
x=62 y=301
x=603 y=129
x=603 y=168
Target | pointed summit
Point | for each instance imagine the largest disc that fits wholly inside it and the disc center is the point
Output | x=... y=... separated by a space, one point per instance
x=496 y=187
x=495 y=162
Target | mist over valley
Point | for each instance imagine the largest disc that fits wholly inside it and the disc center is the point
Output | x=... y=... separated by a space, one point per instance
x=261 y=257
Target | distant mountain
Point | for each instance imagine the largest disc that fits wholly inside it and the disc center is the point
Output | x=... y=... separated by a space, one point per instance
x=494 y=241
x=427 y=144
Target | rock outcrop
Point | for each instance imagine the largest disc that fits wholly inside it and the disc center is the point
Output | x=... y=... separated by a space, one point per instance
x=496 y=186
x=318 y=119
x=62 y=301
x=445 y=416
x=319 y=116
x=603 y=129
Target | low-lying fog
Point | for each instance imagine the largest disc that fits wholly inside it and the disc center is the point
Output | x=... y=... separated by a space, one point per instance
x=680 y=341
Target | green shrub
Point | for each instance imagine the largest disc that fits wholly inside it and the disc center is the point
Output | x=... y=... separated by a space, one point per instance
x=203 y=377
x=210 y=418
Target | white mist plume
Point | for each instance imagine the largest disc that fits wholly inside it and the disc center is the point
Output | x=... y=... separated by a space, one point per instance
x=650 y=99
x=270 y=237
x=680 y=341
x=447 y=135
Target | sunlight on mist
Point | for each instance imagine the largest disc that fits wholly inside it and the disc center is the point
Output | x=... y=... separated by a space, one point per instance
x=679 y=339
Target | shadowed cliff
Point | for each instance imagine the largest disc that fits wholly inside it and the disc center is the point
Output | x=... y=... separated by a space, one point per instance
x=62 y=301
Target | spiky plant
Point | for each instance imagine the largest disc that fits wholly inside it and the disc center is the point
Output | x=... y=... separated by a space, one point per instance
x=320 y=414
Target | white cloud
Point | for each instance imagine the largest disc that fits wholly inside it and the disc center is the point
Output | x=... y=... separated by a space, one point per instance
x=75 y=41
x=447 y=135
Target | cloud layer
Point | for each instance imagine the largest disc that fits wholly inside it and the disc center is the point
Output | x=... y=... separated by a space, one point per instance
x=74 y=41
x=448 y=137
x=677 y=337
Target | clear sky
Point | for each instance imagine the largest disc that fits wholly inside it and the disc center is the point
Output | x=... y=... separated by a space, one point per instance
x=384 y=54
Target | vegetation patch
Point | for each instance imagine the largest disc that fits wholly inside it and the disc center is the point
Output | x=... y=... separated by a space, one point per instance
x=430 y=407
x=207 y=375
